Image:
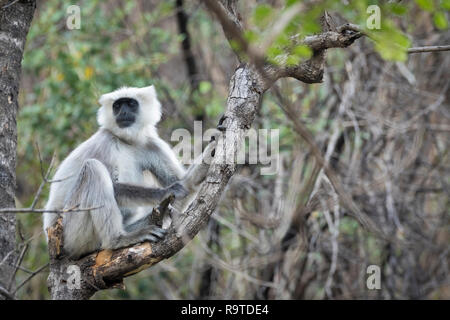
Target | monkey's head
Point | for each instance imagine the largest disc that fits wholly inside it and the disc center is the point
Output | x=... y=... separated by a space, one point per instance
x=129 y=112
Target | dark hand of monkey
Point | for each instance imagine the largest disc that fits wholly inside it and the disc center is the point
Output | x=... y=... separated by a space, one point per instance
x=220 y=126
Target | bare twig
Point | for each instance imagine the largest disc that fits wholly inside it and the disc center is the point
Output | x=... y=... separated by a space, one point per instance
x=360 y=30
x=31 y=210
x=281 y=24
x=44 y=178
x=429 y=49
x=6 y=293
x=18 y=262
x=33 y=274
x=6 y=257
x=9 y=4
x=334 y=179
x=234 y=33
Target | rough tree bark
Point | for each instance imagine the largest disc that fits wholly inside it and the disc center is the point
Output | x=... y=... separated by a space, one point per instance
x=15 y=20
x=251 y=79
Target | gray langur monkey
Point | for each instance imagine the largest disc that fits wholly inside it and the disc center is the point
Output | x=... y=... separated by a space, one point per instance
x=125 y=169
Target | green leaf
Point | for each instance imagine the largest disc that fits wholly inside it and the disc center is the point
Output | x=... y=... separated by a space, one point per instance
x=262 y=15
x=251 y=36
x=204 y=87
x=398 y=9
x=291 y=2
x=445 y=4
x=302 y=51
x=294 y=59
x=426 y=5
x=282 y=40
x=440 y=20
x=272 y=53
x=392 y=45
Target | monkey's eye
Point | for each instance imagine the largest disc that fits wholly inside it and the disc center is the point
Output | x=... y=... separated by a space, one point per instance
x=133 y=104
x=116 y=107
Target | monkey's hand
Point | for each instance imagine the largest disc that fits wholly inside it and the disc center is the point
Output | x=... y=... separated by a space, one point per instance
x=210 y=151
x=198 y=170
x=220 y=126
x=178 y=190
x=153 y=233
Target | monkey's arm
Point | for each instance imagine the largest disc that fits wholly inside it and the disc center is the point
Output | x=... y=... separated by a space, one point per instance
x=194 y=177
x=162 y=163
x=198 y=170
x=128 y=195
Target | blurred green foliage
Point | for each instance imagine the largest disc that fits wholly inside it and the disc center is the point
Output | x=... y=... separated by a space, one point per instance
x=390 y=41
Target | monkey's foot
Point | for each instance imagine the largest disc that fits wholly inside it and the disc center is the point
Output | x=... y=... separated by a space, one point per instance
x=155 y=234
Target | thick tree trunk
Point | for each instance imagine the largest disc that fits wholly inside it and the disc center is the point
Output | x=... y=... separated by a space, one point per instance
x=210 y=272
x=15 y=21
x=191 y=66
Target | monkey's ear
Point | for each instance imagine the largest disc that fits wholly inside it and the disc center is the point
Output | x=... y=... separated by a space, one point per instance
x=105 y=99
x=150 y=90
x=147 y=94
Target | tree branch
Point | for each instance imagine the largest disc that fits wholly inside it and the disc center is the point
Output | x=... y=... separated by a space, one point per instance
x=310 y=71
x=347 y=201
x=191 y=66
x=225 y=11
x=5 y=293
x=429 y=49
x=15 y=20
x=32 y=210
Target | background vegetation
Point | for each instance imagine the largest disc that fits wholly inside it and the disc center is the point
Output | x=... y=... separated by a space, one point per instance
x=381 y=118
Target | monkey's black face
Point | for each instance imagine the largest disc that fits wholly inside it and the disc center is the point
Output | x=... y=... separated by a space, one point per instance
x=125 y=110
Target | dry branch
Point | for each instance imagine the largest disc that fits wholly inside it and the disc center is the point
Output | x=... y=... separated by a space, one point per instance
x=429 y=49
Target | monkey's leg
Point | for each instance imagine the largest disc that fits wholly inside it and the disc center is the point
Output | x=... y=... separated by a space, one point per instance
x=94 y=188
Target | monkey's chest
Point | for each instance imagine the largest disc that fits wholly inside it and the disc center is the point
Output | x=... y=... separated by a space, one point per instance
x=135 y=177
x=127 y=170
x=126 y=175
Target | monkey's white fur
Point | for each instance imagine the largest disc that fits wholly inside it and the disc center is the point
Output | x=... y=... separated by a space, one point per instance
x=145 y=126
x=112 y=155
